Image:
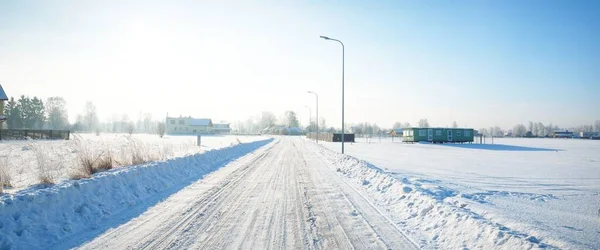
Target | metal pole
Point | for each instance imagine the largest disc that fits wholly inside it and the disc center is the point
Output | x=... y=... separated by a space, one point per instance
x=343 y=62
x=309 y=119
x=317 y=118
x=343 y=131
x=317 y=96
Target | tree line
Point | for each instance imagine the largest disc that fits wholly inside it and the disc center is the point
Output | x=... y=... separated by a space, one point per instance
x=35 y=113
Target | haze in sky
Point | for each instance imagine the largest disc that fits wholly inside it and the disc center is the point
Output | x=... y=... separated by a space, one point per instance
x=481 y=63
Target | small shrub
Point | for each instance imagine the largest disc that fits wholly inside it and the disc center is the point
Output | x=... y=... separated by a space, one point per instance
x=160 y=129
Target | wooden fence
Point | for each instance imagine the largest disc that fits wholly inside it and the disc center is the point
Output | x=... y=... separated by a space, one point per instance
x=35 y=134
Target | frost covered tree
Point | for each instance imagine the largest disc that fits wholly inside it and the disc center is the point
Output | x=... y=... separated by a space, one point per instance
x=519 y=130
x=323 y=123
x=56 y=111
x=160 y=129
x=483 y=131
x=423 y=123
x=454 y=124
x=530 y=126
x=597 y=126
x=267 y=119
x=90 y=116
x=291 y=120
x=397 y=125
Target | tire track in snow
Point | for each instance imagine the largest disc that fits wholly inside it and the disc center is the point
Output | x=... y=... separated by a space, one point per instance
x=282 y=196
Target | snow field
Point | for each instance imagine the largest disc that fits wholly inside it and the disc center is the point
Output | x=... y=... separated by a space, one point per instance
x=436 y=224
x=40 y=216
x=544 y=190
x=23 y=163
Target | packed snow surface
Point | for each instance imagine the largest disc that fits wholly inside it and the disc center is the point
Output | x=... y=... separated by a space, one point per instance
x=546 y=190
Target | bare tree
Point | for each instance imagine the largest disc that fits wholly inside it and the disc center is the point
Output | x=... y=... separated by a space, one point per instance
x=397 y=125
x=56 y=112
x=322 y=123
x=130 y=128
x=267 y=119
x=454 y=124
x=597 y=126
x=290 y=119
x=498 y=132
x=90 y=116
x=423 y=123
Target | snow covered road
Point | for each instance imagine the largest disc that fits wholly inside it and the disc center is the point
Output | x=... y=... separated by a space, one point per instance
x=284 y=195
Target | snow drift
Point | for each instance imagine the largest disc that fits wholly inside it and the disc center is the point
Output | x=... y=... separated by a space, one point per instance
x=75 y=210
x=426 y=213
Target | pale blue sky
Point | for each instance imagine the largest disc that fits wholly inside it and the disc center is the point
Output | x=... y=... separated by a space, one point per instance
x=481 y=63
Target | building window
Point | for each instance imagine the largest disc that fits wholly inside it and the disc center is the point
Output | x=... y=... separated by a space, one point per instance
x=175 y=129
x=181 y=122
x=438 y=133
x=172 y=121
x=422 y=132
x=467 y=133
x=458 y=133
x=186 y=129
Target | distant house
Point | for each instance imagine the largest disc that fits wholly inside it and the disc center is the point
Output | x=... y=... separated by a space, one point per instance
x=3 y=98
x=562 y=134
x=395 y=132
x=189 y=126
x=221 y=128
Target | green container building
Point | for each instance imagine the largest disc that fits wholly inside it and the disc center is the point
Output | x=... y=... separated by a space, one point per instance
x=438 y=135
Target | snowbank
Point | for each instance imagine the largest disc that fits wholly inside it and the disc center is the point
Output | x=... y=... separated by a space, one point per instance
x=22 y=160
x=41 y=217
x=426 y=213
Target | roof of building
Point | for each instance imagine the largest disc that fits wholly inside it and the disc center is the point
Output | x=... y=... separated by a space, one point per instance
x=201 y=122
x=397 y=130
x=3 y=96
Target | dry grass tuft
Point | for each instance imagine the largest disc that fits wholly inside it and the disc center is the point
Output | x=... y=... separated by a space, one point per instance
x=45 y=166
x=5 y=177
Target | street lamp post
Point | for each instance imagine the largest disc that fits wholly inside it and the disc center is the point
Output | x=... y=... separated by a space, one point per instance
x=327 y=38
x=309 y=118
x=317 y=137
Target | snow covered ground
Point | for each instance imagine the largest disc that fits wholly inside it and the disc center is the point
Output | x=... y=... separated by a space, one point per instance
x=291 y=193
x=44 y=217
x=23 y=160
x=545 y=190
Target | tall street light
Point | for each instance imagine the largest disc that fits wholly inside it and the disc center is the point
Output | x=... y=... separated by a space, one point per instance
x=317 y=137
x=309 y=118
x=331 y=39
